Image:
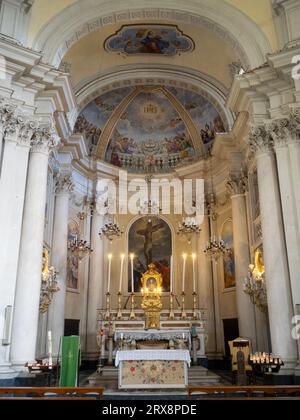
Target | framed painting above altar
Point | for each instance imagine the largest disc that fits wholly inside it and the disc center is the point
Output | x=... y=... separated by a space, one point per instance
x=150 y=240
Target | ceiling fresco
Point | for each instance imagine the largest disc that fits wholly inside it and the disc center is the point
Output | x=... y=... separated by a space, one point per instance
x=152 y=133
x=149 y=39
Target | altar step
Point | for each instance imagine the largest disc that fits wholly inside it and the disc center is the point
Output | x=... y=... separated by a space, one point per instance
x=200 y=376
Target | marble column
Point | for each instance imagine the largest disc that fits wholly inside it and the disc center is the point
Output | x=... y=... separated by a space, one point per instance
x=277 y=273
x=282 y=136
x=293 y=137
x=27 y=297
x=96 y=289
x=206 y=290
x=236 y=186
x=18 y=134
x=6 y=114
x=219 y=329
x=59 y=257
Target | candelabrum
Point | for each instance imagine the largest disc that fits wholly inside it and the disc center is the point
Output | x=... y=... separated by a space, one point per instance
x=80 y=248
x=188 y=227
x=215 y=248
x=49 y=284
x=119 y=315
x=132 y=313
x=183 y=311
x=172 y=314
x=107 y=314
x=257 y=291
x=195 y=310
x=111 y=230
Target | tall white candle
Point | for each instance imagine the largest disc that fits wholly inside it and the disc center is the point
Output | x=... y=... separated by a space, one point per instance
x=109 y=273
x=194 y=272
x=171 y=275
x=183 y=272
x=50 y=350
x=132 y=274
x=121 y=272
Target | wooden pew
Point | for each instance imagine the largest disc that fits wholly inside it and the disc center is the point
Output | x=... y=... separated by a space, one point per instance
x=248 y=391
x=42 y=392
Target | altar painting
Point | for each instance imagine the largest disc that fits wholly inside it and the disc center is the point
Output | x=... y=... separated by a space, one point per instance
x=150 y=240
x=72 y=261
x=228 y=261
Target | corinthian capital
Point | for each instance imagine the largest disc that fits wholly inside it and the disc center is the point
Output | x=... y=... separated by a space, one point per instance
x=278 y=130
x=64 y=183
x=237 y=184
x=260 y=140
x=20 y=130
x=7 y=111
x=44 y=140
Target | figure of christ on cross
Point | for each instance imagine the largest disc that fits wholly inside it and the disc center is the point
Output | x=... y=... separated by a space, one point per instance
x=147 y=233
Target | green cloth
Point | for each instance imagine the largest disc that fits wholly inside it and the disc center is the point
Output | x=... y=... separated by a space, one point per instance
x=70 y=353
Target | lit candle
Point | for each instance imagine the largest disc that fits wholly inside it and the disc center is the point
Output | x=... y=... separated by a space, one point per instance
x=109 y=272
x=194 y=272
x=132 y=273
x=50 y=348
x=183 y=272
x=171 y=275
x=121 y=272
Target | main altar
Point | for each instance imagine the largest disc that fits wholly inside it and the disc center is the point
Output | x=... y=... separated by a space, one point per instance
x=151 y=347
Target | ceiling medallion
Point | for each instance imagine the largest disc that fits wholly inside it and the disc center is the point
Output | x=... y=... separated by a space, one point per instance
x=149 y=39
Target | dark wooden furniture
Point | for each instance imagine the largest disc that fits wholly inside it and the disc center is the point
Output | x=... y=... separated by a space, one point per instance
x=246 y=391
x=44 y=393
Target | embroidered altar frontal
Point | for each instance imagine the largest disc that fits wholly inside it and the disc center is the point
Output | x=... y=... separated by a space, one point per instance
x=137 y=371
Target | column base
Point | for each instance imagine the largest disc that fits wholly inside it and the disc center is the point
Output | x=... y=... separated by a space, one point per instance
x=288 y=369
x=6 y=371
x=20 y=367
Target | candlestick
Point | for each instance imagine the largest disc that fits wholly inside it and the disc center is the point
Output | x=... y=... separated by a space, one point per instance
x=172 y=314
x=195 y=310
x=107 y=315
x=194 y=272
x=132 y=313
x=132 y=273
x=119 y=316
x=109 y=272
x=183 y=272
x=121 y=272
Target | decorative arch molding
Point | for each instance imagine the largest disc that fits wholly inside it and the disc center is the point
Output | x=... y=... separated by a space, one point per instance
x=85 y=17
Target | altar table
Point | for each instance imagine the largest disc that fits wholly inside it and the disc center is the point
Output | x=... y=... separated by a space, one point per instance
x=150 y=369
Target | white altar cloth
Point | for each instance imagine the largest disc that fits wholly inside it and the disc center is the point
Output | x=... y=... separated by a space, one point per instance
x=165 y=355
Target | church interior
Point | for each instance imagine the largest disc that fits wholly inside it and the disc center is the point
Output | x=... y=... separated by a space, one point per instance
x=150 y=197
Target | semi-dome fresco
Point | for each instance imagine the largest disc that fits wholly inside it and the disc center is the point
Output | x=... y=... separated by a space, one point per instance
x=150 y=129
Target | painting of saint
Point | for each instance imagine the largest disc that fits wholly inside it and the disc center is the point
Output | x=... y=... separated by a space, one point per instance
x=150 y=240
x=229 y=262
x=72 y=261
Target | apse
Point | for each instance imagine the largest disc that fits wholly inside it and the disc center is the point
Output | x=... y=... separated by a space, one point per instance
x=149 y=129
